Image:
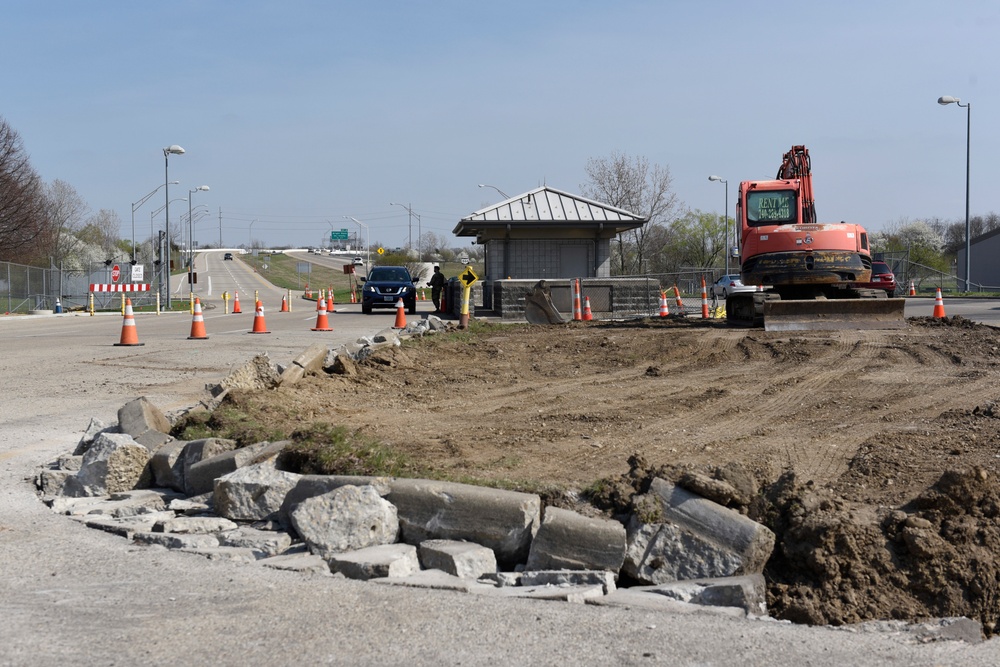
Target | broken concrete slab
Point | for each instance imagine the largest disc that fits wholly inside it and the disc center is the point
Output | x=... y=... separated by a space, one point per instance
x=433 y=579
x=345 y=519
x=114 y=462
x=504 y=521
x=697 y=539
x=386 y=560
x=126 y=526
x=310 y=486
x=167 y=465
x=748 y=592
x=602 y=578
x=266 y=542
x=200 y=477
x=568 y=540
x=466 y=560
x=175 y=541
x=633 y=599
x=143 y=421
x=194 y=525
x=253 y=493
x=567 y=593
x=94 y=428
x=298 y=562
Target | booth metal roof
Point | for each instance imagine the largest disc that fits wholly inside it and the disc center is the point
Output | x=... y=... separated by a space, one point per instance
x=548 y=207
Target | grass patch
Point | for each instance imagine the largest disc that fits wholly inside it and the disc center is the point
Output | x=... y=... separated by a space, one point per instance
x=227 y=421
x=327 y=449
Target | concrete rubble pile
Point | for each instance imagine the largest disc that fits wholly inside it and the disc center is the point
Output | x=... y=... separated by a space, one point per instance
x=211 y=498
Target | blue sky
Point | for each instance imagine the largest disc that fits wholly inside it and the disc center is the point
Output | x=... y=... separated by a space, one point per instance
x=298 y=113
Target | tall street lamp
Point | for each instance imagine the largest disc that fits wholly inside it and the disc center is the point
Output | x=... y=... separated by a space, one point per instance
x=200 y=188
x=419 y=232
x=368 y=243
x=948 y=99
x=167 y=152
x=250 y=235
x=725 y=217
x=487 y=185
x=135 y=207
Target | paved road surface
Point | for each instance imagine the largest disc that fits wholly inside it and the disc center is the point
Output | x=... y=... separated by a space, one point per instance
x=70 y=595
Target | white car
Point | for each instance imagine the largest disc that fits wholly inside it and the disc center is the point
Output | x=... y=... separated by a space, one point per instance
x=730 y=284
x=358 y=260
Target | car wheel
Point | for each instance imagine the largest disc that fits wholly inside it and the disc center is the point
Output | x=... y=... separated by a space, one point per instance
x=411 y=309
x=366 y=308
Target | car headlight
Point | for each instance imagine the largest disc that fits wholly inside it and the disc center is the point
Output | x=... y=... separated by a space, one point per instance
x=370 y=288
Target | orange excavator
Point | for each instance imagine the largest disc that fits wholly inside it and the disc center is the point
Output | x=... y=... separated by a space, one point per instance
x=805 y=270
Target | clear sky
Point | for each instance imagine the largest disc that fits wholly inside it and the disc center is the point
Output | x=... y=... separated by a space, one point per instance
x=298 y=113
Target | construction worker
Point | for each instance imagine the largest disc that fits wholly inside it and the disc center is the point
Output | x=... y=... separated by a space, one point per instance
x=437 y=284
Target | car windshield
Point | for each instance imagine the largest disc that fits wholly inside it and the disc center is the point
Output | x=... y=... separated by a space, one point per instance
x=390 y=275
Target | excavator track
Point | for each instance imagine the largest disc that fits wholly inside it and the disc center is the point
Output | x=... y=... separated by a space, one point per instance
x=866 y=309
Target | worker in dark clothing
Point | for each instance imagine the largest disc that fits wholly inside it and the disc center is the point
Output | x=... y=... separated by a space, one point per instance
x=437 y=284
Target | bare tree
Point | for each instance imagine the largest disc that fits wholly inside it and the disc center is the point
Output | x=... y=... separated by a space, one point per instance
x=64 y=213
x=21 y=203
x=103 y=230
x=631 y=183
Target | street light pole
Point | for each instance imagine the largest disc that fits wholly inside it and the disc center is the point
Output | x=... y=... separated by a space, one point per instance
x=419 y=227
x=250 y=236
x=135 y=207
x=173 y=149
x=945 y=100
x=487 y=185
x=368 y=243
x=202 y=188
x=725 y=217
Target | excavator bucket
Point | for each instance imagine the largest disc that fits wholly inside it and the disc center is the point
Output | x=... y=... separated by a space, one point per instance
x=823 y=314
x=538 y=306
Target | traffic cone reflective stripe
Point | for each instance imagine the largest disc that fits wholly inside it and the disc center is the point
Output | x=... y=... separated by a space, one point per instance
x=129 y=335
x=259 y=326
x=938 y=305
x=197 y=323
x=236 y=304
x=322 y=324
x=664 y=309
x=587 y=314
x=704 y=301
x=400 y=315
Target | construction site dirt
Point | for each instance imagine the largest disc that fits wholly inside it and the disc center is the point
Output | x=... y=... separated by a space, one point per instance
x=873 y=455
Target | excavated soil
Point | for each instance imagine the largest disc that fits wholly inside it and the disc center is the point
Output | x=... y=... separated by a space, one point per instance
x=873 y=455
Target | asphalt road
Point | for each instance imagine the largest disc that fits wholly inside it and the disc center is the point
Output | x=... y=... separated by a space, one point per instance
x=70 y=595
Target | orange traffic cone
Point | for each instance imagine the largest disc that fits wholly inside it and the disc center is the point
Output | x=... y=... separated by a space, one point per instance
x=400 y=315
x=704 y=301
x=322 y=324
x=938 y=305
x=587 y=314
x=913 y=289
x=353 y=298
x=129 y=335
x=677 y=298
x=259 y=326
x=284 y=304
x=664 y=309
x=198 y=323
x=331 y=307
x=577 y=312
x=236 y=304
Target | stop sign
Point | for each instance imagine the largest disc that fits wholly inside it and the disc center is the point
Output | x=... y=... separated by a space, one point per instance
x=116 y=273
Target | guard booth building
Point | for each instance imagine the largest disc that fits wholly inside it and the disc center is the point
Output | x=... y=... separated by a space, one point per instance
x=547 y=234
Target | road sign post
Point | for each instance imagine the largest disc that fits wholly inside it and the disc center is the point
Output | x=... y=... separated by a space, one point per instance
x=468 y=278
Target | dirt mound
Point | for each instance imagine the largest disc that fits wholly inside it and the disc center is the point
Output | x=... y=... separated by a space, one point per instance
x=838 y=440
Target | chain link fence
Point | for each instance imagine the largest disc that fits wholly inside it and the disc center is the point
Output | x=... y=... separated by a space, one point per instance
x=27 y=288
